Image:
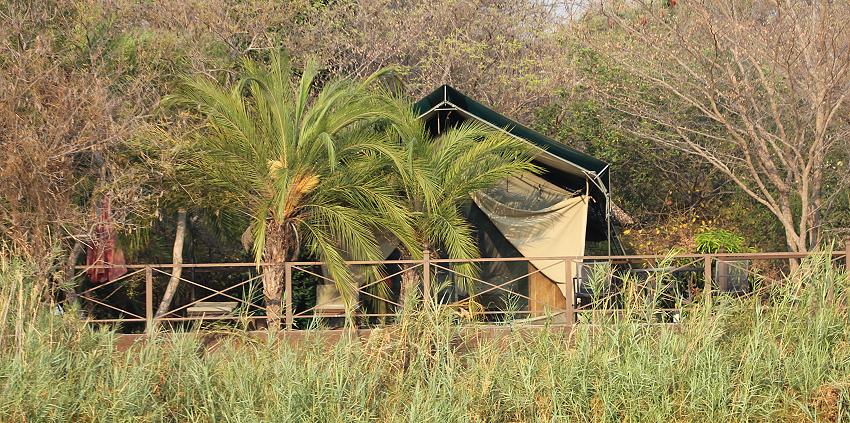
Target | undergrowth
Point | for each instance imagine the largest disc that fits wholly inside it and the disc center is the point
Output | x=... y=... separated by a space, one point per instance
x=780 y=356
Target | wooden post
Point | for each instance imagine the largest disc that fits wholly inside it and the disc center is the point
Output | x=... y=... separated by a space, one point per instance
x=707 y=277
x=847 y=254
x=290 y=321
x=570 y=294
x=149 y=319
x=426 y=276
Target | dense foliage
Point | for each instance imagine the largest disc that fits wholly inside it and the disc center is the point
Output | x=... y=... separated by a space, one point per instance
x=719 y=241
x=83 y=83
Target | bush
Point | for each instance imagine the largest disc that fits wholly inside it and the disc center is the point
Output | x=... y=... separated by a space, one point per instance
x=712 y=241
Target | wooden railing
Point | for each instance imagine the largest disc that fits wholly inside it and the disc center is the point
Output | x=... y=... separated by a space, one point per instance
x=511 y=291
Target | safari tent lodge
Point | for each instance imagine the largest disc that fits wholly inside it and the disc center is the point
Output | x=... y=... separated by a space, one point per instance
x=563 y=211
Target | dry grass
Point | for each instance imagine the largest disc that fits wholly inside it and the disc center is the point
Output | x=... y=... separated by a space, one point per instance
x=781 y=359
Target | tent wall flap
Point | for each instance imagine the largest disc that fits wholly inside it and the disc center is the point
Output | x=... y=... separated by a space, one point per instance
x=539 y=219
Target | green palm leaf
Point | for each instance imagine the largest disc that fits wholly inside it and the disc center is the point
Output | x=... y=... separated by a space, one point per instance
x=305 y=164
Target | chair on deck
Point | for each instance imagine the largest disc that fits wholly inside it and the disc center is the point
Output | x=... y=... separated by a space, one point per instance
x=583 y=289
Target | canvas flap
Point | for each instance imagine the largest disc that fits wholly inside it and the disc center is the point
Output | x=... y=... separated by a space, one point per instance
x=539 y=219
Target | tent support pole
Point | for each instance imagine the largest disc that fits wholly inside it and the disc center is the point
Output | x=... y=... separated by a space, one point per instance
x=570 y=294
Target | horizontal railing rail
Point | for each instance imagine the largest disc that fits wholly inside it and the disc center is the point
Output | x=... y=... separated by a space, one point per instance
x=563 y=291
x=768 y=255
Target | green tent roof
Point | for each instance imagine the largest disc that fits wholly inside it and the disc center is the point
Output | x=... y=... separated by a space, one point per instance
x=448 y=97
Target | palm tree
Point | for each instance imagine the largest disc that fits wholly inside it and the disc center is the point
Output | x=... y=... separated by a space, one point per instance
x=308 y=169
x=441 y=175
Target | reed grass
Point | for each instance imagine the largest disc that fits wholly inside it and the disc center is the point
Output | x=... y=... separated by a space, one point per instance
x=780 y=356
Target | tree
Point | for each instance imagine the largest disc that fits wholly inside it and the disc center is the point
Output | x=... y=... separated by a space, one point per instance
x=443 y=172
x=757 y=89
x=177 y=261
x=501 y=51
x=60 y=140
x=307 y=169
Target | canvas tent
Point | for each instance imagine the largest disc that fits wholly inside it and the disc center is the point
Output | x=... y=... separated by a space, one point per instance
x=539 y=219
x=565 y=211
x=564 y=167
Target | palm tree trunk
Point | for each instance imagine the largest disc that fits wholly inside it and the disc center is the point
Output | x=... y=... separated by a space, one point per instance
x=177 y=261
x=274 y=253
x=410 y=280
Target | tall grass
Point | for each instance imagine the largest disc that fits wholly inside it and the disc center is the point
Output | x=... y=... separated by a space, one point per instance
x=781 y=356
x=22 y=295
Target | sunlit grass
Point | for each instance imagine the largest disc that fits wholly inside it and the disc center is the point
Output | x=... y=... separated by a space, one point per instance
x=783 y=356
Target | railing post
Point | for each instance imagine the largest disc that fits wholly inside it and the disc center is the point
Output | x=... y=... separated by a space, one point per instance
x=426 y=276
x=707 y=277
x=287 y=301
x=570 y=294
x=149 y=319
x=847 y=254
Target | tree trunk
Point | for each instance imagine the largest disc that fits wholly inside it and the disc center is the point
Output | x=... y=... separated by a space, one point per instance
x=69 y=287
x=410 y=280
x=275 y=254
x=177 y=262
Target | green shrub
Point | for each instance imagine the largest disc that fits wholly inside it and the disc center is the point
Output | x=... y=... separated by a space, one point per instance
x=712 y=241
